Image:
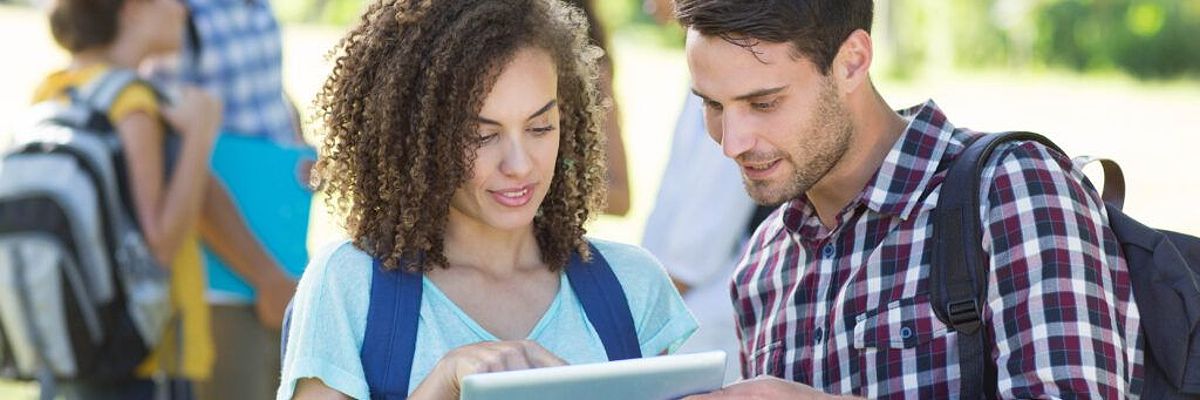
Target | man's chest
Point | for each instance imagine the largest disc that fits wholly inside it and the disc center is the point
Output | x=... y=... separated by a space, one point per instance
x=847 y=313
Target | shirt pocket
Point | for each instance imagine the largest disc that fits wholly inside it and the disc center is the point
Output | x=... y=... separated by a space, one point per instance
x=903 y=324
x=767 y=360
x=902 y=340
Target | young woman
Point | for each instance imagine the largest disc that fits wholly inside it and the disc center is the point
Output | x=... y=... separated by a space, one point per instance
x=465 y=150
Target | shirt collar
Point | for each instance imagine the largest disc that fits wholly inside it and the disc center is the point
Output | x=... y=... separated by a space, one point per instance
x=898 y=186
x=904 y=176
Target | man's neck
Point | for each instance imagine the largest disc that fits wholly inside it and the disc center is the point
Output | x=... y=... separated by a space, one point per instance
x=876 y=129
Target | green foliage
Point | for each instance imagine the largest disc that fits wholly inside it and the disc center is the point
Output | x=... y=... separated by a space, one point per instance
x=1148 y=39
x=979 y=40
x=1145 y=38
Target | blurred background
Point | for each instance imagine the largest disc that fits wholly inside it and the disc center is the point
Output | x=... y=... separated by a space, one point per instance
x=1112 y=78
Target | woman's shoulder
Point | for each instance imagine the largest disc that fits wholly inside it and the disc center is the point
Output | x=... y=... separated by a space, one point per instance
x=624 y=253
x=633 y=265
x=659 y=314
x=338 y=264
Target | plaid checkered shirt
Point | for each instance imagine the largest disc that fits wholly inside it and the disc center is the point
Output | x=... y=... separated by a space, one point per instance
x=240 y=60
x=846 y=310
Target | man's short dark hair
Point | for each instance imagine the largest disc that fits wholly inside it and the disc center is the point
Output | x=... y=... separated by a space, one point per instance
x=815 y=28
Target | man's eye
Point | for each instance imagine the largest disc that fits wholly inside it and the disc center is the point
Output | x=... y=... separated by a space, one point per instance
x=767 y=106
x=713 y=105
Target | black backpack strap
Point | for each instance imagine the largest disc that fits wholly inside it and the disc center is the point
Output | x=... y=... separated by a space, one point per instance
x=99 y=95
x=97 y=98
x=603 y=300
x=958 y=275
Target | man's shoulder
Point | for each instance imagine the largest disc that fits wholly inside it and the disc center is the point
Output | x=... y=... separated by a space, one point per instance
x=1028 y=155
x=1023 y=169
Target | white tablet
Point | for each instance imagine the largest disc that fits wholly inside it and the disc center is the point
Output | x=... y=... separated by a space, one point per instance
x=654 y=378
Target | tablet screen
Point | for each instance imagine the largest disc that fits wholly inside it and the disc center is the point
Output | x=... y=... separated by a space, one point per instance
x=653 y=378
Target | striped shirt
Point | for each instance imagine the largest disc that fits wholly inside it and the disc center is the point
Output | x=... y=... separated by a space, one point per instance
x=846 y=310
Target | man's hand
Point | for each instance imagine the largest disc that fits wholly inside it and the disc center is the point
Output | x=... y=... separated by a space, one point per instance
x=227 y=234
x=765 y=387
x=271 y=301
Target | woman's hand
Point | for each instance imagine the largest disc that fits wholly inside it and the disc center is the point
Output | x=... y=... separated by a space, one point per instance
x=444 y=382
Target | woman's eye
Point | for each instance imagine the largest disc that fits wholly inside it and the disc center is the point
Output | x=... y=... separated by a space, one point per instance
x=487 y=138
x=542 y=130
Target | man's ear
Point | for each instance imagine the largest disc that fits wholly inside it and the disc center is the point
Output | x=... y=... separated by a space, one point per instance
x=852 y=64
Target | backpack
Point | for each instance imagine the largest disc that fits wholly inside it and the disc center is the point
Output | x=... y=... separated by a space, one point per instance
x=81 y=296
x=390 y=338
x=1163 y=266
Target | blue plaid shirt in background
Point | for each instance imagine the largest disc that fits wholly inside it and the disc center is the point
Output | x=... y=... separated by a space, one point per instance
x=846 y=310
x=240 y=62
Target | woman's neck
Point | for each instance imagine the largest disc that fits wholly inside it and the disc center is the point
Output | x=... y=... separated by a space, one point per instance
x=492 y=251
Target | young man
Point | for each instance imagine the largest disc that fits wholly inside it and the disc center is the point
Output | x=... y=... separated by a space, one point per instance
x=234 y=50
x=833 y=294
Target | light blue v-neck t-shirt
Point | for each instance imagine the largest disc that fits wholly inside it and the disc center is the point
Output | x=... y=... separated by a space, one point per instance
x=331 y=303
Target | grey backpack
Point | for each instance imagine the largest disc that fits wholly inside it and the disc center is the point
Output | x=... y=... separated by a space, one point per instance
x=81 y=297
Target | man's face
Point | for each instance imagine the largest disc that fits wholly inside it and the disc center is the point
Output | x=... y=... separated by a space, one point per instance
x=772 y=112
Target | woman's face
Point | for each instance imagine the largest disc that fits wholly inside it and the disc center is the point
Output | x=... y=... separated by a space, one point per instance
x=518 y=138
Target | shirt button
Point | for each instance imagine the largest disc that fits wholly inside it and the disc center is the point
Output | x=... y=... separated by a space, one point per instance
x=906 y=333
x=828 y=251
x=818 y=336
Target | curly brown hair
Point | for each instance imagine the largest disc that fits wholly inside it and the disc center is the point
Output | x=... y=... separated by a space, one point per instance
x=399 y=113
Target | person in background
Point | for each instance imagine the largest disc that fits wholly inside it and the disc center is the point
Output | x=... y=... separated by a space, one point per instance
x=234 y=50
x=165 y=148
x=618 y=176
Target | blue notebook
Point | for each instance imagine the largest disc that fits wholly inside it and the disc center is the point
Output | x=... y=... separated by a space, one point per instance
x=263 y=179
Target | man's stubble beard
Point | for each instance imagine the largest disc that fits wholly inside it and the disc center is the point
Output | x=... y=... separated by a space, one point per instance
x=832 y=131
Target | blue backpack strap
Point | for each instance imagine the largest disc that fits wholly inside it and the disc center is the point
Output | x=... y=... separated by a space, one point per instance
x=604 y=302
x=390 y=339
x=958 y=273
x=287 y=327
x=392 y=318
